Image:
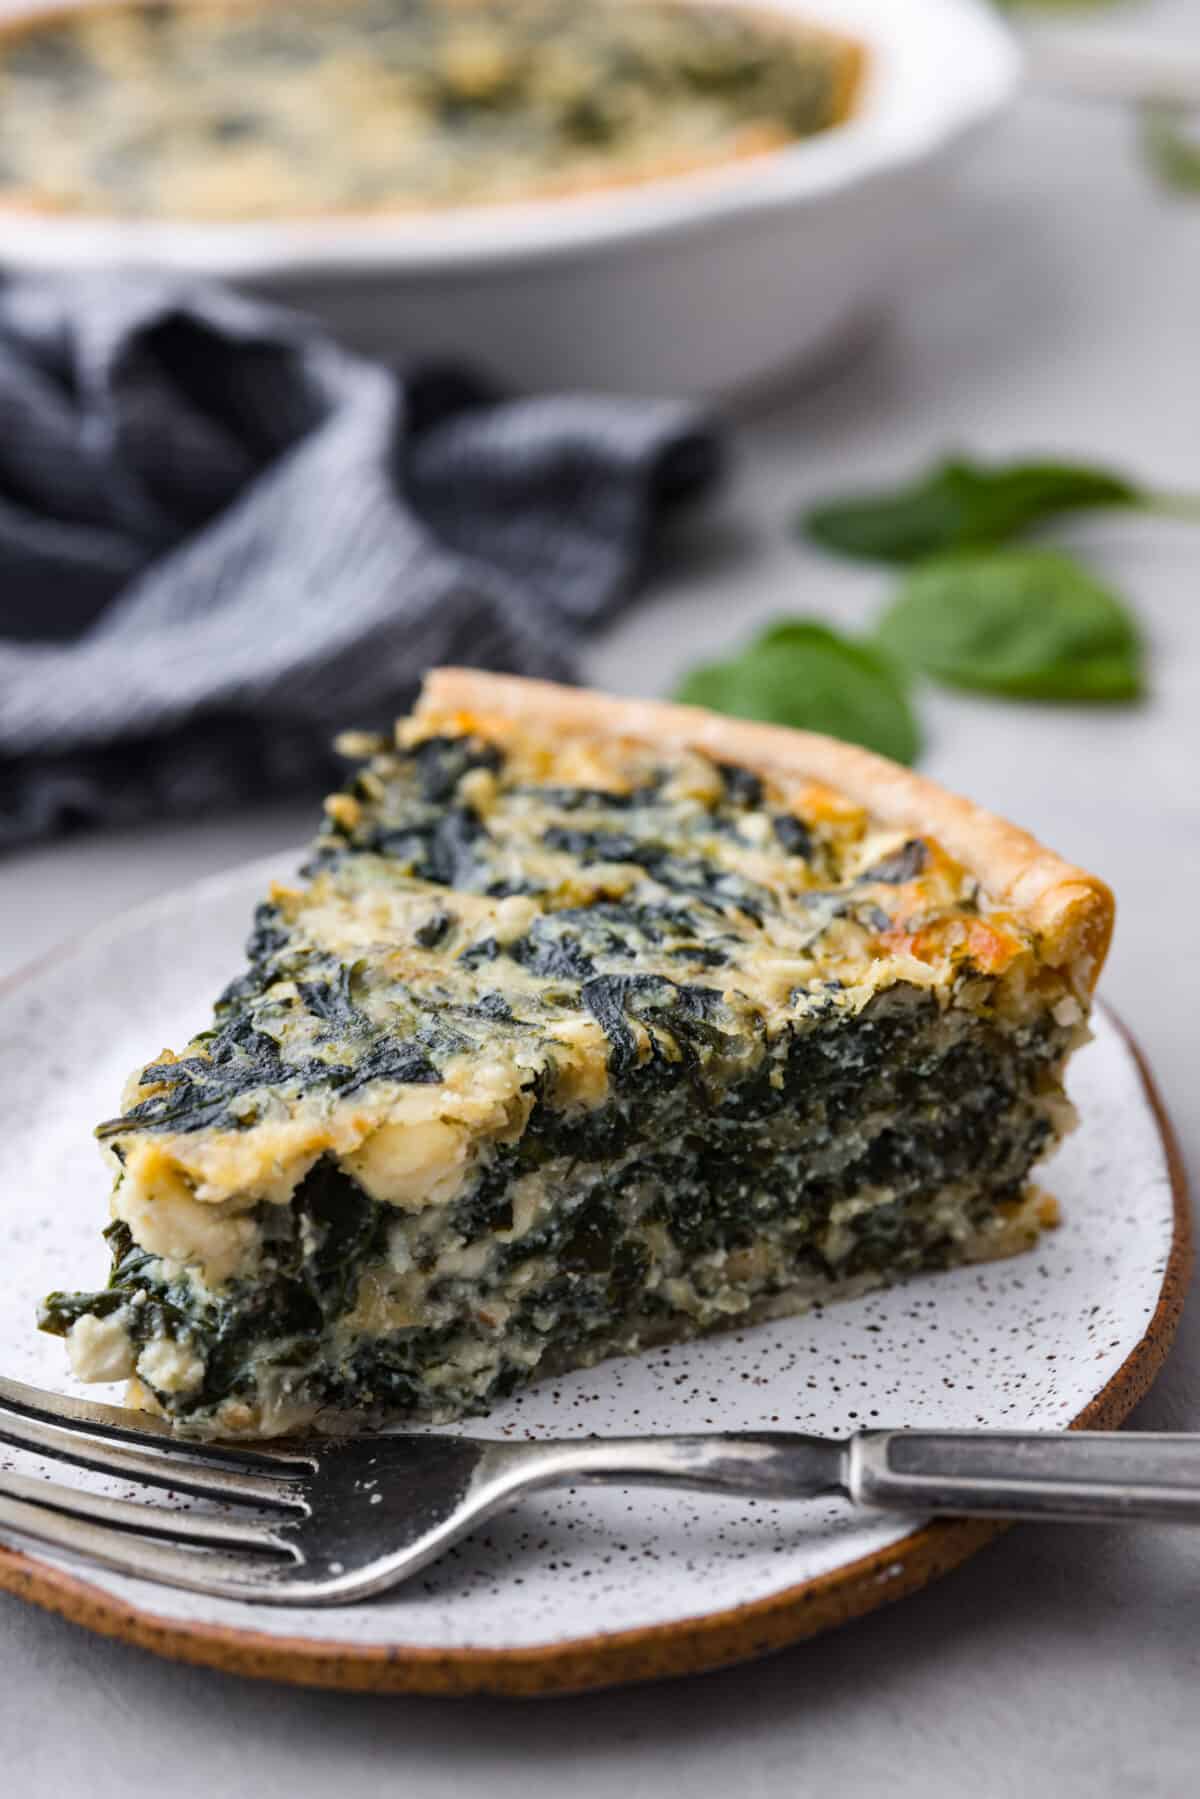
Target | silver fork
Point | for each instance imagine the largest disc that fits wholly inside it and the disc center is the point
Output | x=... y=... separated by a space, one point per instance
x=329 y=1524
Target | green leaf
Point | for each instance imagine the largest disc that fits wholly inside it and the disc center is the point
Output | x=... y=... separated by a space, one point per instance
x=1029 y=624
x=961 y=504
x=800 y=673
x=1173 y=155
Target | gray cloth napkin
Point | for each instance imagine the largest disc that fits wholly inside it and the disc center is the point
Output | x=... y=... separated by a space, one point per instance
x=222 y=538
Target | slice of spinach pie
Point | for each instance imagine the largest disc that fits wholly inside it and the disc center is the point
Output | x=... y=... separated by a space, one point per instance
x=590 y=1024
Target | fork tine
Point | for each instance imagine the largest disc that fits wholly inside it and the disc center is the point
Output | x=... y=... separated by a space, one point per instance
x=149 y=1432
x=200 y=1570
x=170 y=1469
x=141 y=1515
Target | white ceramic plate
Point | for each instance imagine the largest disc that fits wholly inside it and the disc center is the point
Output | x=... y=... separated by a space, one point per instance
x=604 y=1585
x=692 y=284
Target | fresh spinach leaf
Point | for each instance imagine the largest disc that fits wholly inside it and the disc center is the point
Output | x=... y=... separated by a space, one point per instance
x=962 y=504
x=801 y=673
x=1030 y=624
x=1171 y=151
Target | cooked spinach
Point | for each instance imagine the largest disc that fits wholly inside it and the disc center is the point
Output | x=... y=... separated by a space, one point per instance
x=441 y=763
x=743 y=788
x=336 y=1229
x=387 y=1061
x=795 y=836
x=332 y=1001
x=448 y=849
x=588 y=847
x=904 y=864
x=591 y=799
x=200 y=1090
x=435 y=930
x=554 y=951
x=241 y=1059
x=680 y=1011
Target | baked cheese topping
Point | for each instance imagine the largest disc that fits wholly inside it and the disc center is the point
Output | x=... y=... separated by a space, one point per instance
x=560 y=1044
x=284 y=108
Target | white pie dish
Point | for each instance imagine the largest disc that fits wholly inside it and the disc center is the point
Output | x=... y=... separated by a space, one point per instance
x=691 y=284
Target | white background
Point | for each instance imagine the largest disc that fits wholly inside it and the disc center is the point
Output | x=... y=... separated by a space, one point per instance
x=1056 y=307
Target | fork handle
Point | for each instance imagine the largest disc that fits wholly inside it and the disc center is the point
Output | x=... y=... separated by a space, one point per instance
x=1079 y=1475
x=1097 y=1475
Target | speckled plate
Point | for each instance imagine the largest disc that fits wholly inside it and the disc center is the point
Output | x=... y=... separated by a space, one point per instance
x=582 y=1590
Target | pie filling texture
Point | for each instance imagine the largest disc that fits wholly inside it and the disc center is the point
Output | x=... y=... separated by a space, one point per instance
x=227 y=109
x=563 y=1044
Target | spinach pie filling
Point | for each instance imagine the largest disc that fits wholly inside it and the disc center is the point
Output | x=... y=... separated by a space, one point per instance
x=254 y=109
x=568 y=1042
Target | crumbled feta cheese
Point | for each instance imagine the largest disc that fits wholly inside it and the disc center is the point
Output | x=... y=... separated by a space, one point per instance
x=170 y=1367
x=99 y=1348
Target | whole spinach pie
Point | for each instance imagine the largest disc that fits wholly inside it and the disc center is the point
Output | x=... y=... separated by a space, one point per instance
x=251 y=109
x=589 y=1024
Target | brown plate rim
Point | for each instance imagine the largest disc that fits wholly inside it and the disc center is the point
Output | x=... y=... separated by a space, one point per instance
x=649 y=1652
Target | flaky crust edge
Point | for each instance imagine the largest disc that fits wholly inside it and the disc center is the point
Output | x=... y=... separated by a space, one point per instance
x=1070 y=911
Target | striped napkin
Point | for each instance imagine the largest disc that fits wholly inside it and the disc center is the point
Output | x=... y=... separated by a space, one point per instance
x=222 y=538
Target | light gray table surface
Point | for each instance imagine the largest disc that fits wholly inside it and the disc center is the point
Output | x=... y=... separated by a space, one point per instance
x=1058 y=307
